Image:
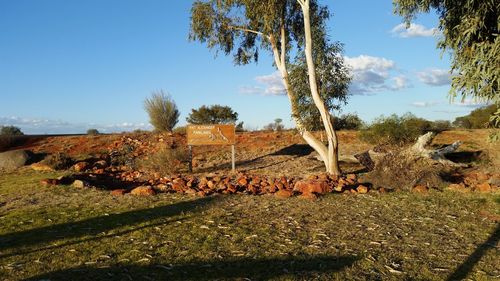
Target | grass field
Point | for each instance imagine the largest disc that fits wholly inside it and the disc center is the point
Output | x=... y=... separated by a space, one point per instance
x=63 y=233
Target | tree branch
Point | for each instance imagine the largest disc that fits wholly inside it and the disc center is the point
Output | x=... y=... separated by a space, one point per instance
x=249 y=31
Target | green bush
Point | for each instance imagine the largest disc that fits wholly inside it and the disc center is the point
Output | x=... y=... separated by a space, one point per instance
x=440 y=126
x=166 y=161
x=162 y=110
x=10 y=131
x=478 y=119
x=92 y=132
x=214 y=114
x=58 y=161
x=350 y=121
x=396 y=130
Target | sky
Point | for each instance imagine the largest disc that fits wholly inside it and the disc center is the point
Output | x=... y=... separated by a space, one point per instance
x=67 y=66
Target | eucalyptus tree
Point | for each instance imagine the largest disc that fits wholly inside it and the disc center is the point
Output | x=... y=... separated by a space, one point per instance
x=470 y=30
x=244 y=27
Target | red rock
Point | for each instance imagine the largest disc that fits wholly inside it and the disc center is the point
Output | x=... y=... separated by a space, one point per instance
x=242 y=182
x=484 y=187
x=190 y=191
x=47 y=182
x=272 y=188
x=361 y=189
x=420 y=189
x=283 y=194
x=308 y=196
x=311 y=186
x=118 y=192
x=178 y=187
x=482 y=176
x=210 y=184
x=280 y=186
x=201 y=194
x=351 y=178
x=339 y=188
x=382 y=190
x=80 y=166
x=458 y=187
x=143 y=191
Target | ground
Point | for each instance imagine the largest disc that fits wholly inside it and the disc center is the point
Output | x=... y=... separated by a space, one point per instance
x=66 y=233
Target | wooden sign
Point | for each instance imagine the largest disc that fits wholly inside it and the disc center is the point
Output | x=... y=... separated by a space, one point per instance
x=211 y=134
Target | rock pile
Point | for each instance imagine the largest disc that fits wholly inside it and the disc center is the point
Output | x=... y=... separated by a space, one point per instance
x=475 y=181
x=282 y=187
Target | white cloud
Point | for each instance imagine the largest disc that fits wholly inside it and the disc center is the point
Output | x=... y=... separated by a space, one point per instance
x=414 y=30
x=271 y=85
x=435 y=77
x=374 y=74
x=400 y=82
x=469 y=103
x=425 y=103
x=47 y=126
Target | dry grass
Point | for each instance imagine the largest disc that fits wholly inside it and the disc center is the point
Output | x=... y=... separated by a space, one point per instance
x=62 y=233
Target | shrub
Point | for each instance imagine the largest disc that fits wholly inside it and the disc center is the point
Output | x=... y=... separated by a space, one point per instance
x=10 y=131
x=180 y=130
x=92 y=132
x=478 y=119
x=395 y=129
x=166 y=161
x=350 y=121
x=162 y=110
x=58 y=161
x=440 y=126
x=214 y=114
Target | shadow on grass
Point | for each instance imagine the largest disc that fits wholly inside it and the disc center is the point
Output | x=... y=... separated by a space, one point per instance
x=466 y=267
x=303 y=267
x=97 y=225
x=295 y=150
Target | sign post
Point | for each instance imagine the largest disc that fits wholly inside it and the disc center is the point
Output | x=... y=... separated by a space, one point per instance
x=215 y=134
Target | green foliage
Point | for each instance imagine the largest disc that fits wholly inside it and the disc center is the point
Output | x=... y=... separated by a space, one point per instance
x=10 y=131
x=92 y=132
x=58 y=161
x=478 y=119
x=162 y=110
x=396 y=130
x=224 y=25
x=470 y=31
x=440 y=126
x=214 y=114
x=350 y=121
x=333 y=83
x=166 y=161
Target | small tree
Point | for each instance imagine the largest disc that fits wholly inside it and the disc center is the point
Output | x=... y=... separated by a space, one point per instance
x=214 y=114
x=92 y=132
x=162 y=110
x=247 y=26
x=275 y=126
x=10 y=131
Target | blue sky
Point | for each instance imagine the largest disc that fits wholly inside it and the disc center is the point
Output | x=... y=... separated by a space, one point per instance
x=66 y=66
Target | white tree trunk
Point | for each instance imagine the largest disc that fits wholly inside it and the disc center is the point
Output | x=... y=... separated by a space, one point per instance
x=331 y=158
x=328 y=154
